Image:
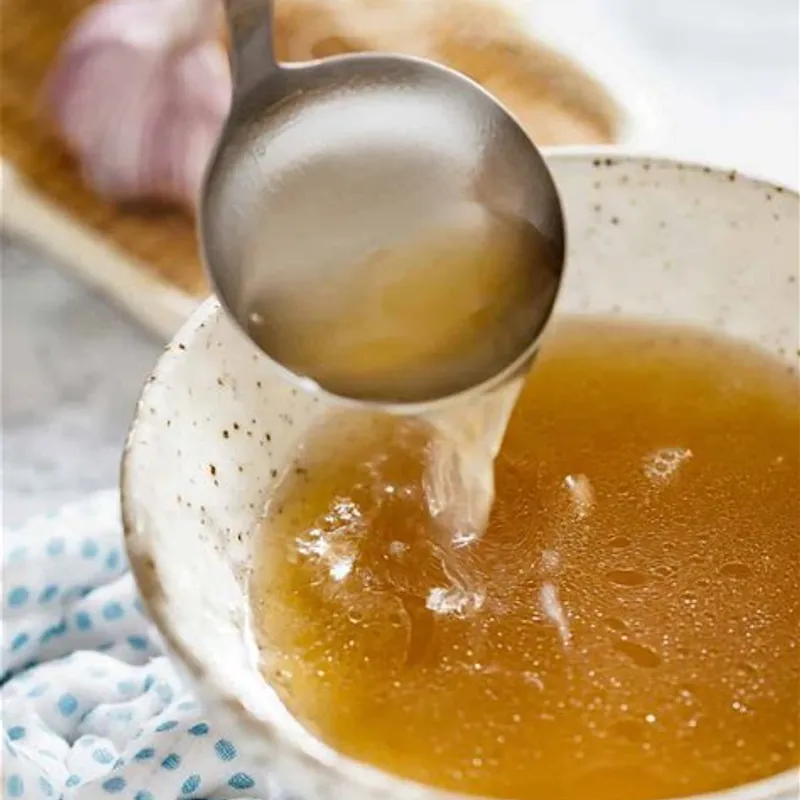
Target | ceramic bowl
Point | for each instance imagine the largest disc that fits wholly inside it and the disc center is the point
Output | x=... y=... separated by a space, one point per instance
x=216 y=425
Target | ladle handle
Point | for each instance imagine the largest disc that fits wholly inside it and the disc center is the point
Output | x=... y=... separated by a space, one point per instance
x=252 y=53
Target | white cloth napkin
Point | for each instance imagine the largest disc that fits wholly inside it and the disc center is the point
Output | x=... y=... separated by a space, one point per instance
x=91 y=710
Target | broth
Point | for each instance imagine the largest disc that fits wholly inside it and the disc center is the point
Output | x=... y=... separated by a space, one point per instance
x=625 y=629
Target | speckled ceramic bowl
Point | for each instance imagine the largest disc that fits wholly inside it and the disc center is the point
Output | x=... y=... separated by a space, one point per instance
x=216 y=425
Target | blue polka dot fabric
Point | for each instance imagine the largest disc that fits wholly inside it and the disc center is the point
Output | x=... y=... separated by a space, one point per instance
x=92 y=710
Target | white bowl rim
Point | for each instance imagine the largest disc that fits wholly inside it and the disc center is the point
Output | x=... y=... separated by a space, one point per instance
x=783 y=786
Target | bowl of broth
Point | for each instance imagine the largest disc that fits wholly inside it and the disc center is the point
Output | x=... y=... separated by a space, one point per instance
x=625 y=628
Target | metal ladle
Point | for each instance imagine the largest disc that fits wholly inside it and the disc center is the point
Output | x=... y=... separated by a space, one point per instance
x=378 y=224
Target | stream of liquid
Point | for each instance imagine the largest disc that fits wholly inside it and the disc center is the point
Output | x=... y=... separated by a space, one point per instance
x=394 y=325
x=459 y=473
x=626 y=628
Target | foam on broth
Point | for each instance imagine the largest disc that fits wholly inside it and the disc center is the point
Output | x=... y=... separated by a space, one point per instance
x=627 y=626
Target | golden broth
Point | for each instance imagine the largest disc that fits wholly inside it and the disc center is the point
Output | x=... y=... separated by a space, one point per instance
x=625 y=629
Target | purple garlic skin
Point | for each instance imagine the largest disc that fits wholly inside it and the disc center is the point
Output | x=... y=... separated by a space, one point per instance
x=139 y=93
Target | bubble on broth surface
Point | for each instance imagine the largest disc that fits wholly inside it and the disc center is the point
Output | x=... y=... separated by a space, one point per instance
x=651 y=642
x=662 y=465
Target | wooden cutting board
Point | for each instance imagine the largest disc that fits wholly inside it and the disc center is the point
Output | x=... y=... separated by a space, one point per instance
x=146 y=256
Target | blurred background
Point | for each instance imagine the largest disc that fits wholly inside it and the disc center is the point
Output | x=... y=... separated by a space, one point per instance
x=719 y=78
x=92 y=289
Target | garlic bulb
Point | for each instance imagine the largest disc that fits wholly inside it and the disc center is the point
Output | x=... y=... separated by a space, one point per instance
x=139 y=93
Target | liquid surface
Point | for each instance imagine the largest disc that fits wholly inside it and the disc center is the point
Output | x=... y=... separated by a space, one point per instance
x=625 y=629
x=386 y=321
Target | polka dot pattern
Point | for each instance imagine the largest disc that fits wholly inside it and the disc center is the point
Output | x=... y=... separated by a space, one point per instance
x=53 y=632
x=83 y=622
x=225 y=750
x=117 y=723
x=138 y=642
x=15 y=786
x=165 y=692
x=191 y=784
x=112 y=611
x=201 y=729
x=171 y=762
x=67 y=704
x=114 y=785
x=113 y=559
x=103 y=756
x=55 y=547
x=241 y=781
x=89 y=549
x=48 y=593
x=17 y=597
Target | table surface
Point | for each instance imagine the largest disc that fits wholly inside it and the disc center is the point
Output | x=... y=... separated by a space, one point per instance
x=723 y=82
x=72 y=366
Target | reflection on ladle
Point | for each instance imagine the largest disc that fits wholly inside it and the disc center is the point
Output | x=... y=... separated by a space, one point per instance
x=389 y=227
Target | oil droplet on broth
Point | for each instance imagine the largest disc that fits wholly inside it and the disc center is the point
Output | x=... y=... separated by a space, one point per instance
x=619 y=542
x=615 y=624
x=639 y=654
x=627 y=577
x=734 y=570
x=560 y=647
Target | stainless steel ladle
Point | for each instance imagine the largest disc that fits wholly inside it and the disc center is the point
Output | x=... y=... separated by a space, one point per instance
x=378 y=224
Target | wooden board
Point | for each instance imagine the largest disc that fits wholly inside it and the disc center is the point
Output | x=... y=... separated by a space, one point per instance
x=97 y=259
x=146 y=256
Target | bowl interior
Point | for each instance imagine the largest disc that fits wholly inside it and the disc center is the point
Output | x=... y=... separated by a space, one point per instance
x=216 y=425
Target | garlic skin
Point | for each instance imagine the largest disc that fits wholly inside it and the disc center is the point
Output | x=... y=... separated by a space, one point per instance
x=139 y=92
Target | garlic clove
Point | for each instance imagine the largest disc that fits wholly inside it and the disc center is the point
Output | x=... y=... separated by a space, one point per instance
x=139 y=93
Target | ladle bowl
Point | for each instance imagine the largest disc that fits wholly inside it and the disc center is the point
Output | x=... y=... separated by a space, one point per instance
x=378 y=183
